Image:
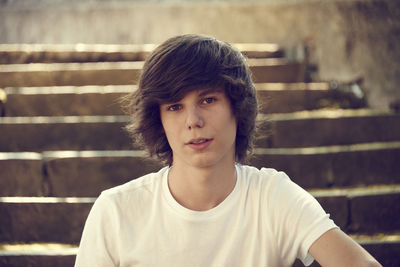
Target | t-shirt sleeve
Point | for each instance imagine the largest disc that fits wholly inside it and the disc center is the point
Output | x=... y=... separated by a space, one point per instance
x=298 y=220
x=98 y=246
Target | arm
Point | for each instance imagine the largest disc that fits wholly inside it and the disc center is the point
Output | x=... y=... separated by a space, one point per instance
x=335 y=248
x=97 y=246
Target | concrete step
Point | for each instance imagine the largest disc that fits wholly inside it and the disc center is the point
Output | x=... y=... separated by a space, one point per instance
x=3 y=100
x=123 y=73
x=65 y=100
x=64 y=53
x=58 y=74
x=37 y=260
x=61 y=220
x=42 y=258
x=64 y=133
x=344 y=165
x=300 y=129
x=274 y=70
x=368 y=207
x=60 y=173
x=293 y=97
x=22 y=175
x=385 y=248
x=329 y=127
x=47 y=53
x=58 y=220
x=105 y=100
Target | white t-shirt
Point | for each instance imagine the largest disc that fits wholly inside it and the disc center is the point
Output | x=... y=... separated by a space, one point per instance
x=267 y=220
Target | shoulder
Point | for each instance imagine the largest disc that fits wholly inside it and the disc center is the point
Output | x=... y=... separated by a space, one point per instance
x=263 y=172
x=137 y=188
x=275 y=187
x=262 y=177
x=109 y=211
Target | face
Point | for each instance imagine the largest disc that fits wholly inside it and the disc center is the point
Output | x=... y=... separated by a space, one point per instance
x=201 y=129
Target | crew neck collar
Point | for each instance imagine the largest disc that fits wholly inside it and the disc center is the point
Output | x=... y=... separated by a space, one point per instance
x=222 y=207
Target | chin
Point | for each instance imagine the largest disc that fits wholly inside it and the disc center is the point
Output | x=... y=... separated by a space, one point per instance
x=207 y=161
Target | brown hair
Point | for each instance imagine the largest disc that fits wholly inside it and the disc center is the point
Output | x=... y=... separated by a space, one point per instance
x=182 y=64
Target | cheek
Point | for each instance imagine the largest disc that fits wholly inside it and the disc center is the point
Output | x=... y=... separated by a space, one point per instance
x=228 y=125
x=165 y=122
x=169 y=130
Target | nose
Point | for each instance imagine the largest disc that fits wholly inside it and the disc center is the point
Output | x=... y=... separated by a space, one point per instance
x=194 y=118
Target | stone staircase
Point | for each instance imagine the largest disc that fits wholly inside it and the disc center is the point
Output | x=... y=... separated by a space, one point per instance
x=62 y=143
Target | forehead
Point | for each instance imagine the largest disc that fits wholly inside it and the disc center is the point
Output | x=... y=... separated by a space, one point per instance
x=198 y=91
x=206 y=91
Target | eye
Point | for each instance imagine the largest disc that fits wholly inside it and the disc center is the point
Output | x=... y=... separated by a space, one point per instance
x=209 y=100
x=174 y=107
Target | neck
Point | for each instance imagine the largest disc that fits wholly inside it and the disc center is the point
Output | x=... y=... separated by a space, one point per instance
x=201 y=188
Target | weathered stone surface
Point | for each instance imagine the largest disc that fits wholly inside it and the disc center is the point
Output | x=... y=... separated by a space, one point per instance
x=102 y=133
x=309 y=171
x=3 y=100
x=21 y=177
x=375 y=213
x=357 y=40
x=64 y=136
x=63 y=104
x=336 y=169
x=284 y=101
x=284 y=72
x=59 y=74
x=386 y=254
x=119 y=73
x=335 y=131
x=63 y=222
x=38 y=261
x=59 y=53
x=337 y=207
x=87 y=177
x=2 y=109
x=67 y=104
x=42 y=222
x=14 y=54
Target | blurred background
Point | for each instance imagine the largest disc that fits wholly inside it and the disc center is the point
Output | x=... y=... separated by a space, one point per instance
x=327 y=74
x=345 y=39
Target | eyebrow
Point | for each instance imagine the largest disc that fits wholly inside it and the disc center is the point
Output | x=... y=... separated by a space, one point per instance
x=210 y=91
x=202 y=92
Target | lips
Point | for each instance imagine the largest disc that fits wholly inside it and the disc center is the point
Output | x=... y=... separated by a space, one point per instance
x=199 y=143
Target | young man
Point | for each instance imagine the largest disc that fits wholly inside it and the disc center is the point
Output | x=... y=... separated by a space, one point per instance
x=195 y=109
